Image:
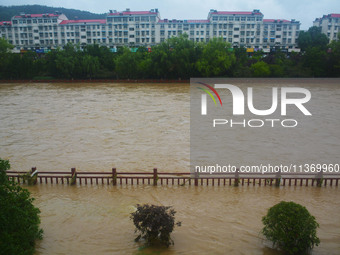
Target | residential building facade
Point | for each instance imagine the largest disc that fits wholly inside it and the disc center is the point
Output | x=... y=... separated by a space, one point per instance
x=330 y=25
x=146 y=28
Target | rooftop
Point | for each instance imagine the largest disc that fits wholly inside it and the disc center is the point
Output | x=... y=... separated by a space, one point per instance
x=128 y=12
x=2 y=23
x=66 y=22
x=184 y=21
x=255 y=12
x=331 y=15
x=276 y=20
x=37 y=15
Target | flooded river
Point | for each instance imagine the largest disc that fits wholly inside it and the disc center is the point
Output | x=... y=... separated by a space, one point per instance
x=95 y=127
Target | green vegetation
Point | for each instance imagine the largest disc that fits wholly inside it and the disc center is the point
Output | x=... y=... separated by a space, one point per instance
x=7 y=12
x=19 y=224
x=291 y=228
x=312 y=38
x=175 y=58
x=155 y=223
x=215 y=59
x=31 y=180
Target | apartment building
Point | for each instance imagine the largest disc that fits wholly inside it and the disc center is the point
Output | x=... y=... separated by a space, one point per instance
x=32 y=30
x=330 y=25
x=133 y=28
x=238 y=28
x=146 y=28
x=280 y=33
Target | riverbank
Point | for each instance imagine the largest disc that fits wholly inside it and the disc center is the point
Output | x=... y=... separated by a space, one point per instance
x=154 y=81
x=96 y=81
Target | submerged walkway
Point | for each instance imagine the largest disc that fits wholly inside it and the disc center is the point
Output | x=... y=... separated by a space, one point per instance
x=155 y=178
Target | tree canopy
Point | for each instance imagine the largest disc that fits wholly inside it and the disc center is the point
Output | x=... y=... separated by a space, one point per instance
x=312 y=38
x=19 y=224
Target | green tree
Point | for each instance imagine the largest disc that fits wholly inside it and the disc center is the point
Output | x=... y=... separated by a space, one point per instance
x=68 y=61
x=316 y=60
x=182 y=57
x=241 y=65
x=66 y=66
x=260 y=69
x=155 y=223
x=19 y=224
x=277 y=63
x=90 y=66
x=291 y=228
x=312 y=38
x=127 y=64
x=5 y=46
x=105 y=57
x=19 y=66
x=160 y=58
x=334 y=58
x=216 y=59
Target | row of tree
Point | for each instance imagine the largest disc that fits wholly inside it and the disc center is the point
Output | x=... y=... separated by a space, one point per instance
x=176 y=58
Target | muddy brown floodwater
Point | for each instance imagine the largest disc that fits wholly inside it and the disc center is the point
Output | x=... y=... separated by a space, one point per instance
x=95 y=127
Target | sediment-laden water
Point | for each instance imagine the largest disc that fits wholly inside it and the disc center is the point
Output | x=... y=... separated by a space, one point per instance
x=95 y=127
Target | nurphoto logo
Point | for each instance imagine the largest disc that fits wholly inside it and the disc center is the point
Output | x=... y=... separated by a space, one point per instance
x=295 y=96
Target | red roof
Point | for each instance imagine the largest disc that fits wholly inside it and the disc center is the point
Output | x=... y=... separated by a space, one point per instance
x=332 y=15
x=186 y=21
x=237 y=13
x=65 y=22
x=276 y=20
x=133 y=13
x=37 y=15
x=7 y=23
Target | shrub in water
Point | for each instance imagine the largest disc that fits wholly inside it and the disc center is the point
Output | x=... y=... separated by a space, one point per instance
x=155 y=223
x=19 y=219
x=4 y=165
x=291 y=228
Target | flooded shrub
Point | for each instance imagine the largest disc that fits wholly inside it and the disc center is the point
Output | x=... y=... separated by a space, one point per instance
x=31 y=180
x=154 y=223
x=291 y=228
x=4 y=165
x=19 y=224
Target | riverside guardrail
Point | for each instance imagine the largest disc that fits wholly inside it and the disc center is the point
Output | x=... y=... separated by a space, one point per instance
x=156 y=178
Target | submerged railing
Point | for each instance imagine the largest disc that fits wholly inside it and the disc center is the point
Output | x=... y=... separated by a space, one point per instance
x=163 y=178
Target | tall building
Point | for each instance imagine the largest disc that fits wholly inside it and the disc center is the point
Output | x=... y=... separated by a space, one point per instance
x=146 y=28
x=280 y=33
x=28 y=31
x=330 y=25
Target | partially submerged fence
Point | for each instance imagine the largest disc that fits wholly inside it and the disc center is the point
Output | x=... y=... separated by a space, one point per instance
x=158 y=178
